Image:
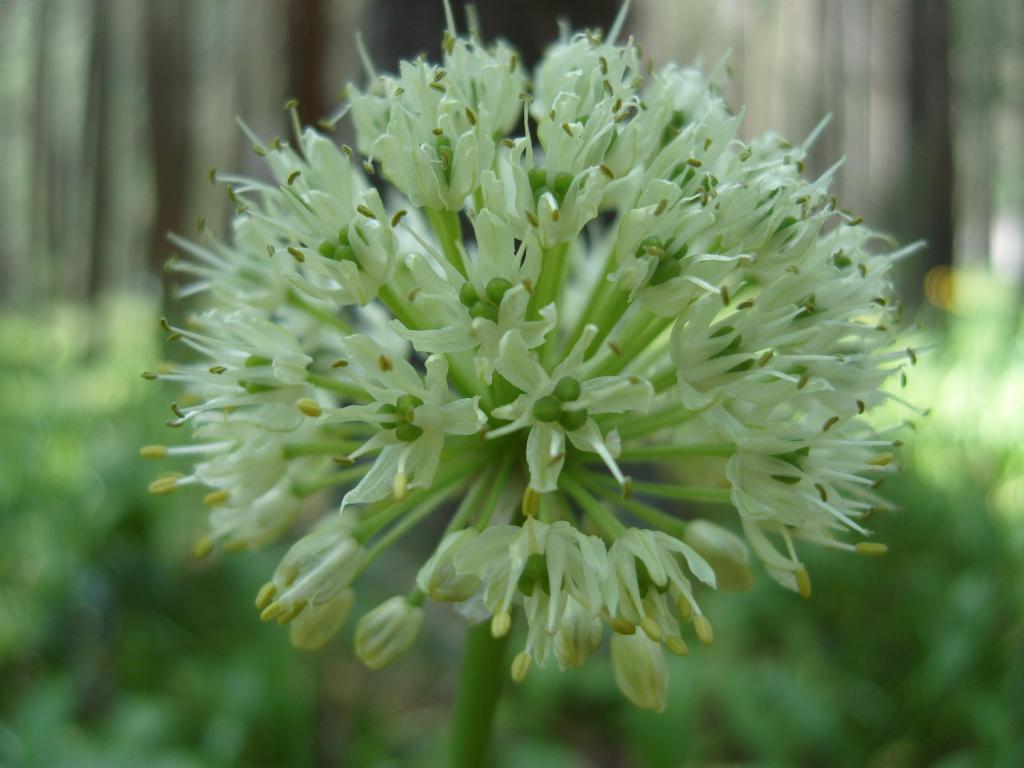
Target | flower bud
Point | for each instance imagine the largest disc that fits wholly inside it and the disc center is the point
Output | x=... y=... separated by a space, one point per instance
x=578 y=636
x=438 y=578
x=319 y=623
x=383 y=634
x=315 y=570
x=725 y=552
x=640 y=670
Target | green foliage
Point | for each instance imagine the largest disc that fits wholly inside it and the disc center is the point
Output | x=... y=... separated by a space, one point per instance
x=119 y=649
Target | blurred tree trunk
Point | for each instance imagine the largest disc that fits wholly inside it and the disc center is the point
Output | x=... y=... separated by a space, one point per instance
x=402 y=29
x=168 y=91
x=38 y=273
x=308 y=32
x=97 y=143
x=931 y=156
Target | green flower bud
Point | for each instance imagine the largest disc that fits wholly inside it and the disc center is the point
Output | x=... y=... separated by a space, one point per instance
x=568 y=389
x=387 y=631
x=547 y=409
x=640 y=670
x=561 y=186
x=407 y=432
x=485 y=310
x=665 y=271
x=319 y=622
x=570 y=421
x=468 y=295
x=496 y=289
x=439 y=580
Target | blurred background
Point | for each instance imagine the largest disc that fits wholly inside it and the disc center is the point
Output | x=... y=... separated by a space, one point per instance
x=118 y=649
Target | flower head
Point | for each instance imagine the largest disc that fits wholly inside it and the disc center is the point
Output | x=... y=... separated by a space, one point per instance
x=586 y=311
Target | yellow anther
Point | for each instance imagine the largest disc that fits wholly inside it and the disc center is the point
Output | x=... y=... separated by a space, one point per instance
x=651 y=628
x=882 y=459
x=702 y=627
x=684 y=608
x=803 y=582
x=871 y=548
x=521 y=666
x=309 y=407
x=216 y=497
x=266 y=595
x=399 y=485
x=202 y=547
x=164 y=485
x=500 y=623
x=677 y=646
x=153 y=451
x=622 y=627
x=292 y=612
x=272 y=611
x=289 y=573
x=531 y=502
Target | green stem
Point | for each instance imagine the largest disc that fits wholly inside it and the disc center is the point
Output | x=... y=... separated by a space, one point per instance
x=645 y=512
x=549 y=281
x=637 y=339
x=318 y=314
x=335 y=478
x=483 y=671
x=295 y=450
x=671 y=491
x=448 y=231
x=351 y=391
x=610 y=314
x=655 y=452
x=651 y=422
x=603 y=517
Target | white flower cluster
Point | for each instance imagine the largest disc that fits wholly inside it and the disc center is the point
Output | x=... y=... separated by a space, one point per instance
x=572 y=340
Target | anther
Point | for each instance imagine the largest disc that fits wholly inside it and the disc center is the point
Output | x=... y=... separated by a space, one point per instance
x=702 y=627
x=677 y=646
x=531 y=502
x=266 y=595
x=298 y=255
x=293 y=176
x=272 y=611
x=521 y=666
x=163 y=485
x=153 y=451
x=871 y=548
x=364 y=211
x=684 y=608
x=622 y=627
x=651 y=628
x=399 y=485
x=803 y=582
x=385 y=363
x=217 y=497
x=202 y=547
x=309 y=407
x=500 y=623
